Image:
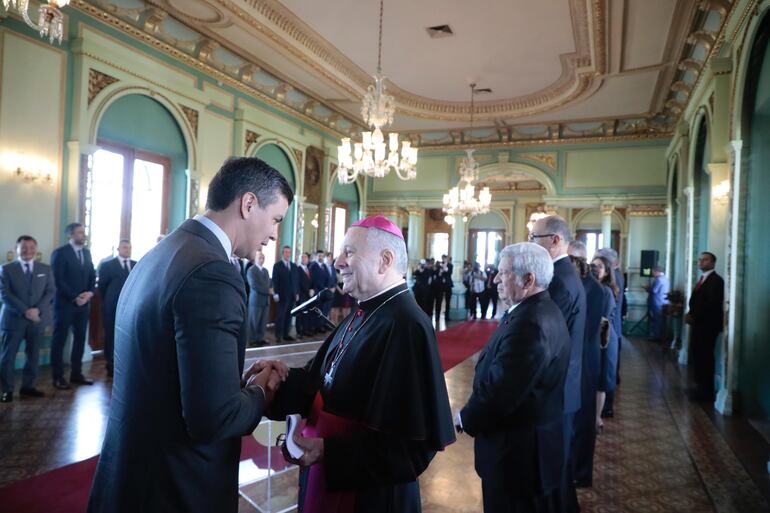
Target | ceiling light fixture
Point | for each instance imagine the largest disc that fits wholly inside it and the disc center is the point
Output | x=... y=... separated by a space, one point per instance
x=461 y=200
x=50 y=22
x=372 y=156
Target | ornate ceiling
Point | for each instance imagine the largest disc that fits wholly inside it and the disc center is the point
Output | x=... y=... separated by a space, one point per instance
x=558 y=69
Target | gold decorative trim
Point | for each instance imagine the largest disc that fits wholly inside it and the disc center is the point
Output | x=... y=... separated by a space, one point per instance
x=551 y=142
x=579 y=69
x=547 y=159
x=96 y=82
x=192 y=117
x=105 y=17
x=298 y=159
x=646 y=211
x=250 y=139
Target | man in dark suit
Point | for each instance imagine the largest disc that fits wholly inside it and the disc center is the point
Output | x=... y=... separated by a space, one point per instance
x=179 y=404
x=26 y=288
x=447 y=268
x=706 y=320
x=75 y=277
x=306 y=321
x=285 y=293
x=318 y=281
x=566 y=290
x=112 y=274
x=259 y=299
x=515 y=412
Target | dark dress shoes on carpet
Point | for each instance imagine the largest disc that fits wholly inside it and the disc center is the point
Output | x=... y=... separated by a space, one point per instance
x=31 y=392
x=81 y=380
x=7 y=397
x=289 y=339
x=61 y=384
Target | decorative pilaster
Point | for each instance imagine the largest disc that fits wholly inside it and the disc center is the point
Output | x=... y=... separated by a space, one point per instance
x=689 y=193
x=607 y=211
x=299 y=226
x=733 y=243
x=459 y=234
x=416 y=236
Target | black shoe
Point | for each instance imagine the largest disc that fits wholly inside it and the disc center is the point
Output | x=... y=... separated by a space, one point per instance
x=61 y=384
x=31 y=392
x=289 y=338
x=7 y=397
x=79 y=379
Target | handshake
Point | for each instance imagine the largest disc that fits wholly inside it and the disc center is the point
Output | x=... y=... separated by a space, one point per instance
x=267 y=374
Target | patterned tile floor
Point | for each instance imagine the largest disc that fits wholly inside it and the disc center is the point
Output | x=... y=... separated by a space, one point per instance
x=661 y=453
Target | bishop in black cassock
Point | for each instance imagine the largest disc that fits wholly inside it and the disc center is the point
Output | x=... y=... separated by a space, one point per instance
x=374 y=395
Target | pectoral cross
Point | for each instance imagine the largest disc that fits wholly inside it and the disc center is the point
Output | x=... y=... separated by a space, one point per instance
x=328 y=378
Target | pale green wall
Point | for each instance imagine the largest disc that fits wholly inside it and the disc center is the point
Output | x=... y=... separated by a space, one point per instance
x=347 y=193
x=141 y=122
x=621 y=167
x=489 y=221
x=277 y=158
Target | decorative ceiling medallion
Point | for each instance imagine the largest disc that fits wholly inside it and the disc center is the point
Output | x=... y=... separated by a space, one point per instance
x=250 y=139
x=96 y=82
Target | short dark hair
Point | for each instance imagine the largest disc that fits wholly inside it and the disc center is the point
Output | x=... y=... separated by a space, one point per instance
x=320 y=251
x=712 y=255
x=285 y=247
x=70 y=229
x=124 y=241
x=22 y=238
x=306 y=254
x=239 y=175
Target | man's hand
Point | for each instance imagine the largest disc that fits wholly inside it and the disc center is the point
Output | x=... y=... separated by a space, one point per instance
x=32 y=314
x=281 y=369
x=83 y=298
x=313 y=447
x=276 y=298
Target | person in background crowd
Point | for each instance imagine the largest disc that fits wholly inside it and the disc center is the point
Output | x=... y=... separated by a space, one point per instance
x=490 y=292
x=259 y=299
x=584 y=443
x=285 y=294
x=331 y=284
x=304 y=322
x=657 y=293
x=620 y=300
x=75 y=277
x=706 y=320
x=318 y=279
x=477 y=280
x=421 y=288
x=112 y=274
x=26 y=289
x=467 y=284
x=602 y=269
x=437 y=289
x=448 y=269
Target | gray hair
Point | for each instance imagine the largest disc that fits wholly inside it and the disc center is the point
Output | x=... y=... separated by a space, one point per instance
x=577 y=249
x=557 y=224
x=528 y=257
x=610 y=254
x=380 y=240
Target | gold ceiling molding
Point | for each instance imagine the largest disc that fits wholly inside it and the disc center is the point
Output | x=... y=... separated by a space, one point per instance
x=547 y=159
x=95 y=11
x=579 y=69
x=646 y=210
x=96 y=82
x=655 y=136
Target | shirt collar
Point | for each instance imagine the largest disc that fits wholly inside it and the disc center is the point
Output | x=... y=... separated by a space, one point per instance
x=218 y=232
x=24 y=262
x=374 y=301
x=707 y=273
x=560 y=257
x=512 y=308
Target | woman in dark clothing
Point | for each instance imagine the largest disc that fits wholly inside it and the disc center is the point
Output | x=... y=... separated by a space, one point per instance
x=602 y=270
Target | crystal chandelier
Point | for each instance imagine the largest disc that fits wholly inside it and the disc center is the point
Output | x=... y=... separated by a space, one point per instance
x=50 y=22
x=372 y=156
x=461 y=200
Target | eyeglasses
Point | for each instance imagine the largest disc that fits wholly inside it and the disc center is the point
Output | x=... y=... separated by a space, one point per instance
x=532 y=236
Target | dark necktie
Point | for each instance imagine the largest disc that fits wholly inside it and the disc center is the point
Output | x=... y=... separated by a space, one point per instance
x=700 y=282
x=28 y=272
x=80 y=256
x=125 y=266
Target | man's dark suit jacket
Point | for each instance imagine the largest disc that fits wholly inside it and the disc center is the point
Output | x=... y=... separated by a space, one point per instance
x=318 y=275
x=515 y=412
x=567 y=292
x=19 y=295
x=112 y=277
x=707 y=306
x=305 y=283
x=71 y=278
x=259 y=286
x=178 y=411
x=285 y=281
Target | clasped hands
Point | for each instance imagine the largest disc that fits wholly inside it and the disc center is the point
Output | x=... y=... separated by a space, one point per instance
x=83 y=298
x=32 y=314
x=269 y=374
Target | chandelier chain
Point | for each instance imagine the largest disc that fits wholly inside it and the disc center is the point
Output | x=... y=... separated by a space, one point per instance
x=379 y=44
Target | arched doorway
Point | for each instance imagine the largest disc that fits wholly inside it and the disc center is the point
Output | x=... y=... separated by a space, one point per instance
x=278 y=159
x=702 y=189
x=674 y=218
x=754 y=381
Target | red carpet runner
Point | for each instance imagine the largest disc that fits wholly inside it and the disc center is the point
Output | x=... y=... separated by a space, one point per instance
x=66 y=489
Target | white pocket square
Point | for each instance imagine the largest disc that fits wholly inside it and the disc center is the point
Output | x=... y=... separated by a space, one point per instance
x=41 y=275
